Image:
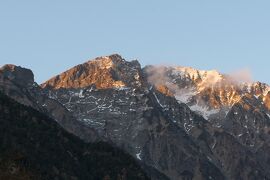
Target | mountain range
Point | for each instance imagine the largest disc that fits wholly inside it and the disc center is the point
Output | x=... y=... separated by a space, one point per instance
x=173 y=122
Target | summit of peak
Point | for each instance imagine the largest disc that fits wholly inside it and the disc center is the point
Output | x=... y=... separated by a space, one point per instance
x=113 y=57
x=17 y=73
x=106 y=62
x=111 y=71
x=12 y=68
x=193 y=71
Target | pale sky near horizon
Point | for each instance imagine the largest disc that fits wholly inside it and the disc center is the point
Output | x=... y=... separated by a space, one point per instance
x=54 y=35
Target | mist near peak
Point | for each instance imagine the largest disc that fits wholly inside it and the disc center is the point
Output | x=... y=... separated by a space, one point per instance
x=162 y=75
x=242 y=76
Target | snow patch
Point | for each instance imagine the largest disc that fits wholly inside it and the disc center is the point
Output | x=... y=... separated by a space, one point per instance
x=81 y=94
x=138 y=155
x=121 y=88
x=90 y=90
x=239 y=135
x=208 y=77
x=188 y=127
x=184 y=95
x=214 y=145
x=157 y=99
x=204 y=111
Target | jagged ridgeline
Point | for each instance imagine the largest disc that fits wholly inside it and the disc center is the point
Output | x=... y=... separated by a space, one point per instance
x=178 y=122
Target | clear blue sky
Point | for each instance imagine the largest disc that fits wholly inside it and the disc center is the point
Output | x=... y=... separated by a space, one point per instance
x=50 y=36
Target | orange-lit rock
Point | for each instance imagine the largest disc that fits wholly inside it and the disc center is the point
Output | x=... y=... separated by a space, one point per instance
x=103 y=72
x=266 y=101
x=164 y=90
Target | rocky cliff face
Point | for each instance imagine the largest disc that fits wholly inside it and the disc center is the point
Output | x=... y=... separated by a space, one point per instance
x=206 y=89
x=35 y=147
x=18 y=83
x=16 y=73
x=242 y=108
x=156 y=116
x=132 y=117
x=177 y=121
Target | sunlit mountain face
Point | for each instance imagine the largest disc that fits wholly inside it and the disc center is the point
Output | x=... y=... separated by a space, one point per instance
x=207 y=92
x=178 y=122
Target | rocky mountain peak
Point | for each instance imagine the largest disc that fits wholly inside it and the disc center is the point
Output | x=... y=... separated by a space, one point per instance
x=103 y=72
x=106 y=62
x=16 y=73
x=205 y=92
x=152 y=114
x=195 y=74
